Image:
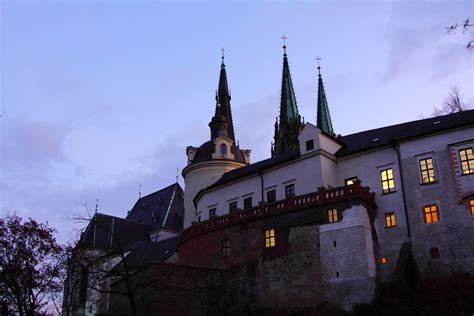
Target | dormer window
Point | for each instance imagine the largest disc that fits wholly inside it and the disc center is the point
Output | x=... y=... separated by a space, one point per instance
x=309 y=145
x=223 y=150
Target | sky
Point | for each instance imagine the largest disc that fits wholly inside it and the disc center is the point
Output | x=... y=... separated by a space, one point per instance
x=100 y=97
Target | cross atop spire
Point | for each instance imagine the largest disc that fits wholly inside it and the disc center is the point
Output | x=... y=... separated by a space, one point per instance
x=222 y=51
x=284 y=38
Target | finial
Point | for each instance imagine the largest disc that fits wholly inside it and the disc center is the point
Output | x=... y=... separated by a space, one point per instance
x=177 y=172
x=96 y=205
x=319 y=66
x=284 y=38
x=222 y=51
x=139 y=191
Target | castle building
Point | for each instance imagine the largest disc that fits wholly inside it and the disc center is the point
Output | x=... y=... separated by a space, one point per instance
x=325 y=218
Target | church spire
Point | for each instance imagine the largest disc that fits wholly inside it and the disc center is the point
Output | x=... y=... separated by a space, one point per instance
x=223 y=98
x=286 y=136
x=323 y=117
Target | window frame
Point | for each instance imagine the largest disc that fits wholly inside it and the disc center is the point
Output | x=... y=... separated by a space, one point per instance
x=390 y=220
x=273 y=191
x=468 y=161
x=289 y=190
x=232 y=206
x=387 y=181
x=332 y=215
x=269 y=236
x=225 y=248
x=430 y=213
x=427 y=171
x=246 y=206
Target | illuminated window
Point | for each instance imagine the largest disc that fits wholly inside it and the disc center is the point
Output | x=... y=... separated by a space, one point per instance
x=332 y=215
x=289 y=190
x=431 y=214
x=427 y=171
x=384 y=260
x=471 y=206
x=225 y=248
x=269 y=238
x=350 y=181
x=271 y=196
x=466 y=157
x=212 y=212
x=309 y=145
x=247 y=202
x=390 y=220
x=223 y=149
x=388 y=184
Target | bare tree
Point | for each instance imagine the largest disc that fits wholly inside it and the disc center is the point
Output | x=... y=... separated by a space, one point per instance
x=452 y=104
x=465 y=25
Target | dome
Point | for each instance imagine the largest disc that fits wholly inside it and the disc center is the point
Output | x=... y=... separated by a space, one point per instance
x=205 y=151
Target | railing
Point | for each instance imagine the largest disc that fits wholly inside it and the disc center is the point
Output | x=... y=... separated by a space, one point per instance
x=320 y=197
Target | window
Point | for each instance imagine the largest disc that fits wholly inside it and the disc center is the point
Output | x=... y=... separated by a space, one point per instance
x=232 y=206
x=390 y=220
x=269 y=238
x=271 y=196
x=225 y=248
x=212 y=212
x=467 y=161
x=431 y=214
x=223 y=149
x=332 y=215
x=350 y=181
x=383 y=260
x=388 y=184
x=427 y=171
x=247 y=202
x=309 y=145
x=289 y=190
x=434 y=253
x=471 y=206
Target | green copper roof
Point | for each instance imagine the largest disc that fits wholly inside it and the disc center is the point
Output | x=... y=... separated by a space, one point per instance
x=324 y=118
x=288 y=107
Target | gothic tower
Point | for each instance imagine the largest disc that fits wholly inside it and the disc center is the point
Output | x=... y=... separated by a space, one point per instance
x=207 y=163
x=288 y=125
x=323 y=120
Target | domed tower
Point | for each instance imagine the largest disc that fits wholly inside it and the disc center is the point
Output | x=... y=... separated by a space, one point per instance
x=207 y=163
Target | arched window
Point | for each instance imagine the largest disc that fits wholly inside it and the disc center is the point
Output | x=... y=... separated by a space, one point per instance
x=223 y=149
x=434 y=252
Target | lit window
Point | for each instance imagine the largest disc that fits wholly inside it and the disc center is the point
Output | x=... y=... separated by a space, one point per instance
x=384 y=260
x=466 y=157
x=247 y=202
x=427 y=171
x=388 y=184
x=350 y=181
x=390 y=220
x=289 y=190
x=232 y=206
x=332 y=215
x=471 y=206
x=223 y=150
x=271 y=196
x=431 y=214
x=212 y=212
x=225 y=248
x=269 y=238
x=309 y=145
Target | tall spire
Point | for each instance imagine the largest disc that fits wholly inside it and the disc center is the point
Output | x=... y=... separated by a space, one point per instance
x=223 y=98
x=323 y=117
x=286 y=137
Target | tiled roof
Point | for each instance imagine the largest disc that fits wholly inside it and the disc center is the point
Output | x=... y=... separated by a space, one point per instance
x=165 y=204
x=386 y=135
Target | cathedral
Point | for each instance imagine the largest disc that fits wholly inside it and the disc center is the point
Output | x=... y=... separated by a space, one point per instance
x=327 y=218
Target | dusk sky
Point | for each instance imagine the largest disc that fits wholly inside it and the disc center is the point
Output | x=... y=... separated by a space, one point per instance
x=99 y=97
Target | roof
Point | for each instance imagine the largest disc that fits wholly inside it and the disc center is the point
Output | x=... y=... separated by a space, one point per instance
x=110 y=232
x=205 y=151
x=386 y=135
x=164 y=205
x=144 y=253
